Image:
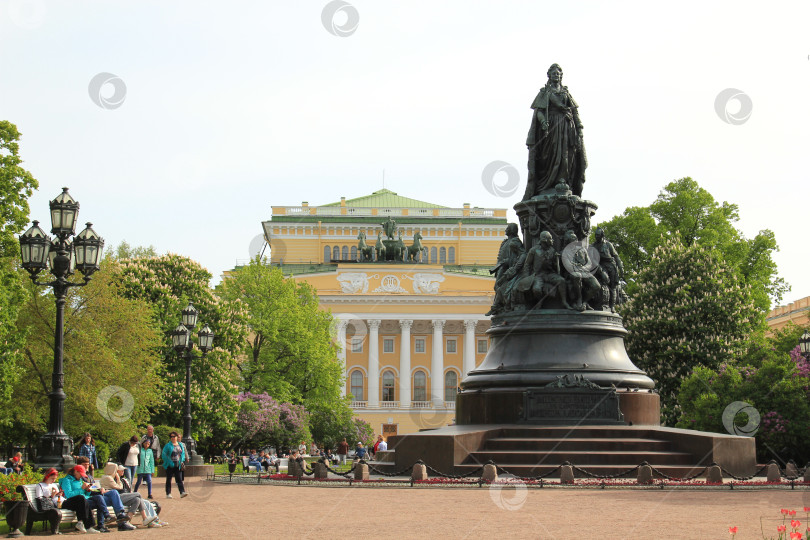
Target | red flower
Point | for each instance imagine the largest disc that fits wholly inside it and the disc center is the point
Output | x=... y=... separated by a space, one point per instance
x=807 y=508
x=795 y=536
x=784 y=511
x=795 y=523
x=732 y=530
x=792 y=512
x=781 y=528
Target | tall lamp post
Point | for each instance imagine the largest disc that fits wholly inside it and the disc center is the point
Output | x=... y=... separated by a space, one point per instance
x=63 y=257
x=804 y=344
x=181 y=341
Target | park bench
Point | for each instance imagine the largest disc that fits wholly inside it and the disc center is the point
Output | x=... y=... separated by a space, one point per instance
x=29 y=493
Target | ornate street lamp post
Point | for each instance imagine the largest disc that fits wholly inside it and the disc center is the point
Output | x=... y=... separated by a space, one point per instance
x=63 y=256
x=804 y=344
x=181 y=341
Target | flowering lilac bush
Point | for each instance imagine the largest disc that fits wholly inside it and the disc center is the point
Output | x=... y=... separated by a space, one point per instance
x=263 y=420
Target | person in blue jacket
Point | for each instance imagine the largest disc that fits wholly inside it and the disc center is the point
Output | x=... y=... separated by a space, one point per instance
x=174 y=457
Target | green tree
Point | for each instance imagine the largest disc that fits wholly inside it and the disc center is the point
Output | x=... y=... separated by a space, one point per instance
x=689 y=309
x=110 y=341
x=685 y=211
x=125 y=251
x=16 y=186
x=168 y=283
x=291 y=353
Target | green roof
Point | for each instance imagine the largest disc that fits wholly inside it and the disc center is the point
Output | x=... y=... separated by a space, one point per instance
x=386 y=198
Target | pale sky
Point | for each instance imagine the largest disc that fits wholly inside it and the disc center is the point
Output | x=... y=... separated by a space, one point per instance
x=231 y=107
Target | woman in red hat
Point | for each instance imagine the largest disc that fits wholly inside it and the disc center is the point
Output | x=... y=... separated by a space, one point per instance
x=49 y=489
x=81 y=500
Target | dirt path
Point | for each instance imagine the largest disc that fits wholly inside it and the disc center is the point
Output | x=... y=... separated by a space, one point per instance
x=251 y=511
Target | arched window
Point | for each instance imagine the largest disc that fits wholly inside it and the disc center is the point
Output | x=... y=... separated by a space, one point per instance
x=451 y=255
x=450 y=385
x=345 y=252
x=357 y=385
x=336 y=253
x=425 y=255
x=442 y=256
x=327 y=252
x=434 y=255
x=388 y=386
x=419 y=386
x=354 y=253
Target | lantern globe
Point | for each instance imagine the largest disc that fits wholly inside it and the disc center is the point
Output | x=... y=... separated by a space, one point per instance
x=180 y=336
x=206 y=337
x=804 y=342
x=190 y=316
x=35 y=246
x=64 y=211
x=88 y=246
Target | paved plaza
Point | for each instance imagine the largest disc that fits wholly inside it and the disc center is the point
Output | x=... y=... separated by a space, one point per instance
x=264 y=511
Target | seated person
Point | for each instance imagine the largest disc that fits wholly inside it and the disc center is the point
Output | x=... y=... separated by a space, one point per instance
x=253 y=459
x=48 y=488
x=84 y=461
x=114 y=479
x=15 y=464
x=273 y=461
x=76 y=487
x=113 y=498
x=360 y=451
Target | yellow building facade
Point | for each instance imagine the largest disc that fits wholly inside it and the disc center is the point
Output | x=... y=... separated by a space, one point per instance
x=409 y=331
x=797 y=312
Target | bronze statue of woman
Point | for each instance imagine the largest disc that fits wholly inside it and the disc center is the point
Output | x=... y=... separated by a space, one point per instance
x=556 y=151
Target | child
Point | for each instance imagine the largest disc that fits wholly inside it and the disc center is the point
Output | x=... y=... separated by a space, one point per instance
x=146 y=467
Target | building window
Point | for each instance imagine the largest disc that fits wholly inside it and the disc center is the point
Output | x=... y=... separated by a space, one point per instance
x=357 y=344
x=327 y=252
x=434 y=255
x=336 y=253
x=388 y=386
x=345 y=252
x=357 y=385
x=450 y=385
x=419 y=386
x=419 y=345
x=354 y=253
x=482 y=346
x=388 y=345
x=442 y=256
x=451 y=255
x=425 y=255
x=451 y=345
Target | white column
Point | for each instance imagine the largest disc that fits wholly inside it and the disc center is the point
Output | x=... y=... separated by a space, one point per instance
x=469 y=347
x=373 y=398
x=341 y=336
x=405 y=364
x=437 y=364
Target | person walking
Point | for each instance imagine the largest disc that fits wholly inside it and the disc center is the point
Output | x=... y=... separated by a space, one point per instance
x=174 y=458
x=343 y=451
x=88 y=450
x=154 y=444
x=133 y=458
x=146 y=467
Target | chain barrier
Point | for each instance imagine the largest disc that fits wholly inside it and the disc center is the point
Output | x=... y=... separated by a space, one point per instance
x=502 y=470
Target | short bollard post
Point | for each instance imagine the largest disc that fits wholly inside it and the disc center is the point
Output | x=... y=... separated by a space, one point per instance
x=774 y=474
x=490 y=474
x=320 y=470
x=419 y=472
x=566 y=474
x=645 y=475
x=714 y=475
x=294 y=469
x=361 y=472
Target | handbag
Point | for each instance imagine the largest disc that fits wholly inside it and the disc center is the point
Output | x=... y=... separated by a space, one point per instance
x=44 y=504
